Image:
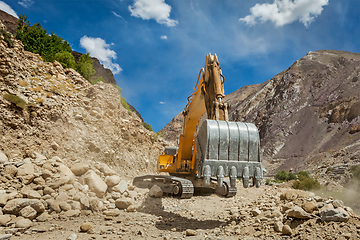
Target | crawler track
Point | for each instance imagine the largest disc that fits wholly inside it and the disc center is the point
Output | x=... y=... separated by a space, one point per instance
x=169 y=184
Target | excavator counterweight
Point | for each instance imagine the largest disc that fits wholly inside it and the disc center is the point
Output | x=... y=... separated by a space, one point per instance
x=212 y=153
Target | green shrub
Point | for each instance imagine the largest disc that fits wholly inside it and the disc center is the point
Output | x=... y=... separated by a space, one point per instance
x=291 y=176
x=95 y=81
x=282 y=175
x=18 y=101
x=66 y=59
x=7 y=37
x=305 y=182
x=125 y=104
x=147 y=126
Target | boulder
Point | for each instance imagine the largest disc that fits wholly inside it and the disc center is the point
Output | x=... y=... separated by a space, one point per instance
x=85 y=227
x=64 y=206
x=255 y=212
x=121 y=187
x=123 y=203
x=72 y=213
x=190 y=232
x=155 y=191
x=3 y=199
x=14 y=206
x=333 y=215
x=106 y=170
x=309 y=207
x=112 y=180
x=79 y=168
x=298 y=212
x=10 y=171
x=278 y=226
x=23 y=223
x=286 y=230
x=26 y=173
x=3 y=157
x=53 y=205
x=338 y=203
x=95 y=183
x=28 y=212
x=4 y=219
x=30 y=194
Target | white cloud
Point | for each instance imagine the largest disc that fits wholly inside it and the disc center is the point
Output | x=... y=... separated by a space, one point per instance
x=163 y=37
x=162 y=102
x=283 y=12
x=26 y=3
x=6 y=8
x=153 y=9
x=98 y=48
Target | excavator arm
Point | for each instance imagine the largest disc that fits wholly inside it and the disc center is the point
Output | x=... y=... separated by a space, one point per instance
x=211 y=150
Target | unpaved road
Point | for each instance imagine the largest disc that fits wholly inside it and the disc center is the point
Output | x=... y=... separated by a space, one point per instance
x=211 y=216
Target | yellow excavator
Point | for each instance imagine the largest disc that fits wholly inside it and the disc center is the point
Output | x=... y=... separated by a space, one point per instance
x=212 y=153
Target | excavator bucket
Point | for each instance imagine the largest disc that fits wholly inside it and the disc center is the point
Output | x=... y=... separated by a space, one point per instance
x=228 y=149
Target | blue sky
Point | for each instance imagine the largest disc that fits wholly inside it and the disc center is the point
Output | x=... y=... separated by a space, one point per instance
x=156 y=48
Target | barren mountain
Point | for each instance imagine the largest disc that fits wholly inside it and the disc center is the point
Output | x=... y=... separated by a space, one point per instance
x=308 y=111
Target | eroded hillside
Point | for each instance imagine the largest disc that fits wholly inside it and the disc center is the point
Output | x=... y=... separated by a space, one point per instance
x=63 y=115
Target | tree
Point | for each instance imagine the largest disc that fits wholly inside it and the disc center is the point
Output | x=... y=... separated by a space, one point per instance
x=66 y=59
x=36 y=39
x=85 y=67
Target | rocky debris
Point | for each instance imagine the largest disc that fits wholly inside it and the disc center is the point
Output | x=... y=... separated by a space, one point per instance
x=86 y=227
x=155 y=191
x=190 y=232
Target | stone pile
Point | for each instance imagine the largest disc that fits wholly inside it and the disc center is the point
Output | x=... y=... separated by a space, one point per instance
x=295 y=213
x=41 y=189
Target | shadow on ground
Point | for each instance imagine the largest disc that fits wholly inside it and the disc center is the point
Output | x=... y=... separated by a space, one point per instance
x=169 y=220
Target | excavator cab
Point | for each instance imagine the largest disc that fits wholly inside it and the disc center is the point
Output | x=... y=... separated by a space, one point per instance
x=213 y=153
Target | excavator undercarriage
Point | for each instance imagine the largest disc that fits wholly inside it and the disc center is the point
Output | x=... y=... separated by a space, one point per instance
x=213 y=153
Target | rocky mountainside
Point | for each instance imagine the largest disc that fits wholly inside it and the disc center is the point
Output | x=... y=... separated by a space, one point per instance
x=9 y=21
x=54 y=111
x=307 y=115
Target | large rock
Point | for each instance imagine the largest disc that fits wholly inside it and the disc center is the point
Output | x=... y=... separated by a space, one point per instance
x=106 y=170
x=53 y=205
x=30 y=194
x=112 y=180
x=28 y=212
x=155 y=191
x=4 y=219
x=3 y=199
x=309 y=207
x=95 y=183
x=3 y=157
x=79 y=168
x=26 y=173
x=121 y=187
x=333 y=215
x=14 y=206
x=286 y=230
x=23 y=223
x=298 y=212
x=123 y=203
